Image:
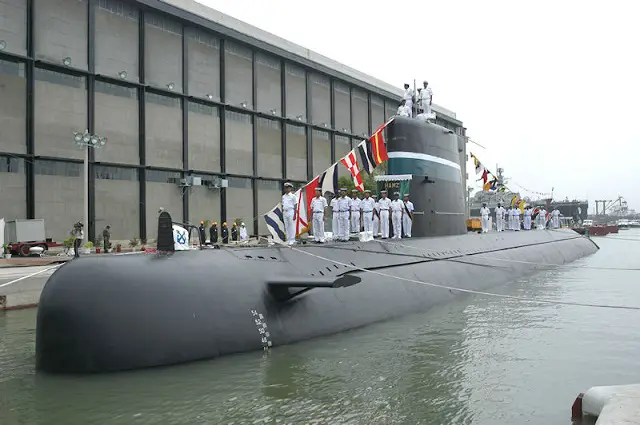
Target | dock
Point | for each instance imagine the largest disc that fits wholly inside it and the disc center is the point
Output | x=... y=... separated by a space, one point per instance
x=22 y=281
x=611 y=405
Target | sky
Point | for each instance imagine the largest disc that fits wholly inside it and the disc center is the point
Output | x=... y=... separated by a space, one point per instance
x=550 y=89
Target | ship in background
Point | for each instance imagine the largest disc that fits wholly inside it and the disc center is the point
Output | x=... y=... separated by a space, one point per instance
x=575 y=209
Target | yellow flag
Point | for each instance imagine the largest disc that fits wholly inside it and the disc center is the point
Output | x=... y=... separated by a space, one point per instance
x=514 y=200
x=521 y=206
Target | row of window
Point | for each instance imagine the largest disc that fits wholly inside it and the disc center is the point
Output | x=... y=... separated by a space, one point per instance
x=61 y=34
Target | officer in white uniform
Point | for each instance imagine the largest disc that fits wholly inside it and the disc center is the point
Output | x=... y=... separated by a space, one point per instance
x=516 y=218
x=397 y=211
x=344 y=207
x=511 y=218
x=243 y=232
x=289 y=204
x=318 y=205
x=408 y=97
x=427 y=98
x=367 y=204
x=356 y=206
x=484 y=213
x=385 y=205
x=376 y=216
x=407 y=217
x=527 y=218
x=555 y=218
x=500 y=217
x=542 y=219
x=335 y=218
x=403 y=110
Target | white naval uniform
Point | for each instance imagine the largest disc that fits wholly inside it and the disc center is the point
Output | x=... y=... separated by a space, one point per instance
x=542 y=219
x=407 y=218
x=344 y=205
x=555 y=219
x=527 y=219
x=408 y=98
x=426 y=95
x=318 y=204
x=367 y=204
x=397 y=208
x=385 y=206
x=484 y=213
x=516 y=219
x=289 y=203
x=512 y=214
x=376 y=219
x=404 y=111
x=335 y=220
x=355 y=214
x=243 y=233
x=500 y=219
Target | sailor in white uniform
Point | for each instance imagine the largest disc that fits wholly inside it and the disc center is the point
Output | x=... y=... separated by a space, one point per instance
x=318 y=205
x=397 y=211
x=484 y=214
x=385 y=205
x=403 y=110
x=375 y=224
x=407 y=217
x=243 y=232
x=419 y=108
x=408 y=98
x=344 y=206
x=512 y=218
x=516 y=219
x=289 y=204
x=368 y=204
x=542 y=219
x=335 y=220
x=527 y=218
x=427 y=98
x=500 y=217
x=555 y=218
x=356 y=206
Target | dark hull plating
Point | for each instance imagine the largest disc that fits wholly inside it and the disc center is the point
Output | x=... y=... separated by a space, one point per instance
x=100 y=314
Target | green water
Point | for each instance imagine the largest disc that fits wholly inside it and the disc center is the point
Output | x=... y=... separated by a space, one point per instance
x=478 y=360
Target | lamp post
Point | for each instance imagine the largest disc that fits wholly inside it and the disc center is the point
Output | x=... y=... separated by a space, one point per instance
x=85 y=140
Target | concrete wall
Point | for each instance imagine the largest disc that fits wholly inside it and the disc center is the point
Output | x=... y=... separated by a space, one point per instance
x=342 y=106
x=117 y=119
x=269 y=148
x=296 y=95
x=12 y=187
x=239 y=75
x=117 y=39
x=239 y=143
x=268 y=84
x=296 y=152
x=240 y=203
x=163 y=52
x=204 y=204
x=377 y=113
x=13 y=15
x=204 y=64
x=165 y=195
x=343 y=146
x=321 y=143
x=360 y=112
x=13 y=107
x=320 y=100
x=61 y=31
x=163 y=131
x=269 y=194
x=117 y=202
x=204 y=137
x=60 y=110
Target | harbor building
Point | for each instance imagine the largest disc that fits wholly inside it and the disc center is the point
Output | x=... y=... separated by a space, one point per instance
x=204 y=115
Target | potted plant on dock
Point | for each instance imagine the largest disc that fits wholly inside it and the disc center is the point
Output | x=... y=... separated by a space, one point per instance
x=87 y=248
x=98 y=244
x=5 y=251
x=133 y=243
x=118 y=247
x=143 y=242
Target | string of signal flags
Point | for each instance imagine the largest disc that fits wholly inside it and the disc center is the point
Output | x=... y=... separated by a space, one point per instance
x=365 y=157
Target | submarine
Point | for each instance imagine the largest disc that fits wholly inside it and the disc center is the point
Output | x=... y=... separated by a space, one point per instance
x=114 y=313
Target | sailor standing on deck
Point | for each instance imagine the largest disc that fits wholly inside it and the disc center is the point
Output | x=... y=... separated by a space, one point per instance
x=385 y=205
x=500 y=217
x=407 y=218
x=289 y=204
x=368 y=204
x=512 y=220
x=318 y=205
x=542 y=219
x=527 y=218
x=403 y=110
x=376 y=216
x=516 y=219
x=397 y=210
x=335 y=218
x=344 y=206
x=356 y=206
x=484 y=213
x=555 y=218
x=427 y=98
x=408 y=98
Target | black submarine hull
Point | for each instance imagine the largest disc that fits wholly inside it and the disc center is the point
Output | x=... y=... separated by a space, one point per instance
x=106 y=314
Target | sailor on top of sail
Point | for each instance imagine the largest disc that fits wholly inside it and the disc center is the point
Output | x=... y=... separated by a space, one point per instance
x=289 y=204
x=397 y=210
x=407 y=217
x=385 y=205
x=419 y=107
x=403 y=109
x=527 y=218
x=426 y=97
x=484 y=213
x=344 y=206
x=355 y=211
x=408 y=97
x=335 y=218
x=500 y=217
x=318 y=205
x=368 y=204
x=375 y=225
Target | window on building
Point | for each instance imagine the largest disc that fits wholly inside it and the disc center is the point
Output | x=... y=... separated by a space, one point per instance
x=60 y=110
x=321 y=143
x=238 y=78
x=240 y=204
x=117 y=33
x=320 y=100
x=13 y=187
x=59 y=196
x=163 y=52
x=163 y=191
x=269 y=88
x=342 y=104
x=117 y=201
x=204 y=137
x=269 y=194
x=61 y=31
x=296 y=88
x=117 y=119
x=204 y=64
x=163 y=131
x=343 y=147
x=377 y=113
x=269 y=147
x=296 y=152
x=204 y=202
x=13 y=107
x=238 y=143
x=13 y=27
x=360 y=111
